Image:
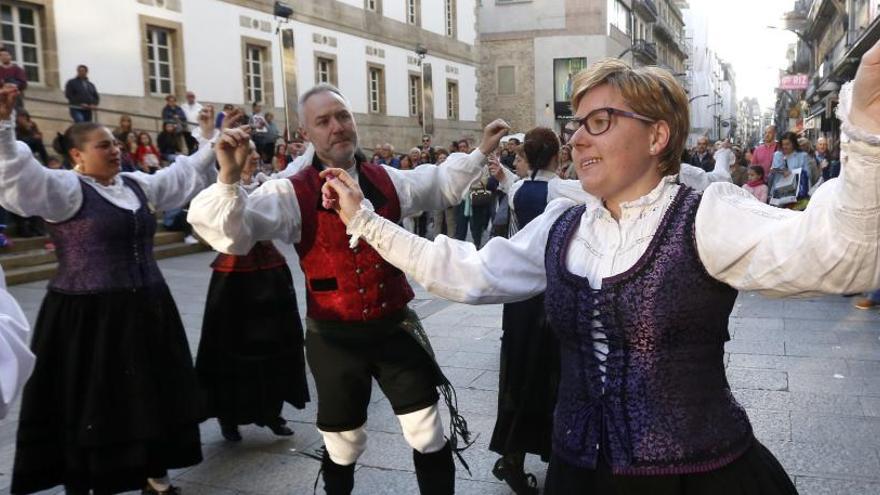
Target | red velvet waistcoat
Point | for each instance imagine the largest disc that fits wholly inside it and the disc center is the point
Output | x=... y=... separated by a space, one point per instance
x=263 y=256
x=344 y=284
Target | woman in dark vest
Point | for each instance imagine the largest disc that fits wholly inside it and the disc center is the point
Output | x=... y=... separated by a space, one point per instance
x=113 y=402
x=529 y=351
x=250 y=359
x=641 y=279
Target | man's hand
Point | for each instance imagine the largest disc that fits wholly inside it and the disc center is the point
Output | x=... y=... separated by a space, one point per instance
x=492 y=135
x=865 y=111
x=341 y=193
x=233 y=148
x=8 y=95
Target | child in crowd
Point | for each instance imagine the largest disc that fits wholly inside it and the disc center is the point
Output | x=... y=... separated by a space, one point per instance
x=756 y=185
x=147 y=155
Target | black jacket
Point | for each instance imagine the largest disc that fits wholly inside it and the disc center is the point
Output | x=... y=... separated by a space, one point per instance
x=81 y=91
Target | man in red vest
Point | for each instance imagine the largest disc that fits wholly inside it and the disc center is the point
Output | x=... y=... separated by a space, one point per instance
x=359 y=326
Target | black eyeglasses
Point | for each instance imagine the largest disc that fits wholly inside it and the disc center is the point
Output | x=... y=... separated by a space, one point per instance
x=599 y=120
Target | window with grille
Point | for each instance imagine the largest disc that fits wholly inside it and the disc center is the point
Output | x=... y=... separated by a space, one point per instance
x=20 y=31
x=412 y=12
x=450 y=17
x=415 y=95
x=160 y=61
x=325 y=70
x=254 y=59
x=452 y=100
x=376 y=89
x=373 y=6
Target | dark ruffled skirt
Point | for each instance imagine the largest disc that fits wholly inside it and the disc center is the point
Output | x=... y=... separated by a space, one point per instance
x=528 y=381
x=113 y=398
x=250 y=358
x=756 y=472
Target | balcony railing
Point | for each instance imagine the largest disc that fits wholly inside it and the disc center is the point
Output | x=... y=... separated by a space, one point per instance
x=645 y=49
x=648 y=8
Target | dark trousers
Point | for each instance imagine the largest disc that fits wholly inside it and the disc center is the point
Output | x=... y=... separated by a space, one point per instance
x=478 y=221
x=80 y=115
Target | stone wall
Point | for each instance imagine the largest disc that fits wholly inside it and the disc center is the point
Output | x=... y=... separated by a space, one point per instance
x=517 y=109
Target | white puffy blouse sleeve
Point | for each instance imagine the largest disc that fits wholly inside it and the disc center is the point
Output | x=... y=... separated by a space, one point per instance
x=432 y=187
x=504 y=270
x=232 y=221
x=831 y=247
x=27 y=188
x=177 y=184
x=16 y=359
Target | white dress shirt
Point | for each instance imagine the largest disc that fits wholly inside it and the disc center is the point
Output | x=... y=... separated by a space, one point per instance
x=231 y=221
x=831 y=247
x=16 y=359
x=29 y=189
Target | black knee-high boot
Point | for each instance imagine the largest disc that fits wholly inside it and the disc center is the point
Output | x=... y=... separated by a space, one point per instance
x=338 y=480
x=435 y=471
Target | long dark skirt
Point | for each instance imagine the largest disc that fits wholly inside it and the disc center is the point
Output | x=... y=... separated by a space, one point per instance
x=113 y=398
x=250 y=357
x=528 y=381
x=756 y=472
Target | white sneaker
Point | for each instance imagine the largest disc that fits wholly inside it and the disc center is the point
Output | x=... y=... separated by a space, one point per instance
x=190 y=240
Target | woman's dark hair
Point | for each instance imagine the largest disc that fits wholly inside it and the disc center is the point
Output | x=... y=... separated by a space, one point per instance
x=74 y=137
x=540 y=146
x=758 y=170
x=791 y=138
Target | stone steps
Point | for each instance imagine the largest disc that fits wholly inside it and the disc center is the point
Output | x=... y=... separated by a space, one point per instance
x=28 y=261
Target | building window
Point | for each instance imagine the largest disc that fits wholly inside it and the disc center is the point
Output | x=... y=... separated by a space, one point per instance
x=325 y=70
x=254 y=62
x=20 y=33
x=506 y=80
x=564 y=72
x=413 y=12
x=376 y=89
x=619 y=16
x=451 y=100
x=415 y=95
x=373 y=6
x=450 y=18
x=160 y=61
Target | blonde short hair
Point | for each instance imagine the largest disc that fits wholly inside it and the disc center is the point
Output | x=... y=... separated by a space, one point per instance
x=649 y=91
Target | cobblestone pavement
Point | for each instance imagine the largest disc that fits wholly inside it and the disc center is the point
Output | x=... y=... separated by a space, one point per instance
x=807 y=371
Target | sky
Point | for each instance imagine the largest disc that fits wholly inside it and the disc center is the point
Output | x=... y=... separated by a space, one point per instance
x=738 y=34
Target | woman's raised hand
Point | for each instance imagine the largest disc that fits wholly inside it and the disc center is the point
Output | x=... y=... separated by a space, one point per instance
x=206 y=121
x=341 y=193
x=8 y=96
x=865 y=112
x=233 y=148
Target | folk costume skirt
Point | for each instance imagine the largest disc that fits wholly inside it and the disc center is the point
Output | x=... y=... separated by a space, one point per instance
x=528 y=381
x=251 y=357
x=113 y=398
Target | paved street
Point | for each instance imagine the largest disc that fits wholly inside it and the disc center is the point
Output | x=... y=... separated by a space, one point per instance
x=807 y=371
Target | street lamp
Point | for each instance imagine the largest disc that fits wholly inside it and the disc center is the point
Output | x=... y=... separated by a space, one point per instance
x=282 y=13
x=698 y=96
x=427 y=119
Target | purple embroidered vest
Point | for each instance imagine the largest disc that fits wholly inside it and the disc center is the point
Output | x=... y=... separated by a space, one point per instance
x=104 y=247
x=665 y=406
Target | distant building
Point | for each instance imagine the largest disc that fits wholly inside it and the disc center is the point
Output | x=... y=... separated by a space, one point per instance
x=226 y=51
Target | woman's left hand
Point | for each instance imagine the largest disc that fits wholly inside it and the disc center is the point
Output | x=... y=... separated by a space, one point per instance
x=865 y=112
x=341 y=193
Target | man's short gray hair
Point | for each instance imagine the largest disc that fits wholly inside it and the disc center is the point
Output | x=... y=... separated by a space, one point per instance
x=318 y=89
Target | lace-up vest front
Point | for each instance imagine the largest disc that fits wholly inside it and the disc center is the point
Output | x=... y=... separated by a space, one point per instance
x=661 y=404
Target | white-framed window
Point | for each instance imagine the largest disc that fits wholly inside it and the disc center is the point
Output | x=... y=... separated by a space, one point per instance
x=20 y=31
x=376 y=89
x=506 y=80
x=325 y=70
x=415 y=95
x=160 y=60
x=412 y=12
x=254 y=59
x=451 y=100
x=449 y=12
x=620 y=16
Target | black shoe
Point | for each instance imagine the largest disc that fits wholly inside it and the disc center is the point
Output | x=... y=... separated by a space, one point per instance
x=280 y=428
x=338 y=480
x=519 y=481
x=149 y=490
x=435 y=472
x=230 y=432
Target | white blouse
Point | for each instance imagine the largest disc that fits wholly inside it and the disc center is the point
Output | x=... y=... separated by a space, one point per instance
x=829 y=248
x=16 y=359
x=30 y=189
x=231 y=221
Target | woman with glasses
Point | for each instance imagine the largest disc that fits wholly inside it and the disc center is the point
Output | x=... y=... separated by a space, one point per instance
x=640 y=282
